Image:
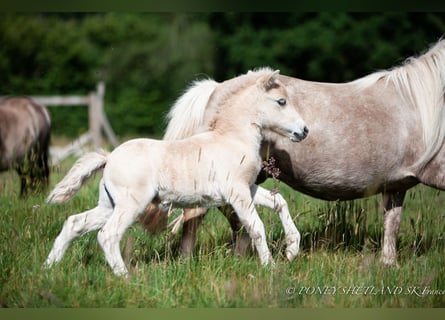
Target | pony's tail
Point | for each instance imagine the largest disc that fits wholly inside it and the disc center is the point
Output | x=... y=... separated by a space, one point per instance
x=186 y=116
x=81 y=171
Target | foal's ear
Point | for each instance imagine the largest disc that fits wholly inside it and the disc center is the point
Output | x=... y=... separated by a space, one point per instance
x=270 y=81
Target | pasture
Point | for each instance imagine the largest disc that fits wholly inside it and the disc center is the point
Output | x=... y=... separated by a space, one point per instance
x=337 y=266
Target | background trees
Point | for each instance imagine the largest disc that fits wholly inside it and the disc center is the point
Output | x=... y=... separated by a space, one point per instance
x=148 y=59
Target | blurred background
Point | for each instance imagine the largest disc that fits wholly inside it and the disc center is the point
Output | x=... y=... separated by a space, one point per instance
x=147 y=60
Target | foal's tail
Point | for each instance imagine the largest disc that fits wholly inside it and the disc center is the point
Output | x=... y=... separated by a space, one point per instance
x=81 y=171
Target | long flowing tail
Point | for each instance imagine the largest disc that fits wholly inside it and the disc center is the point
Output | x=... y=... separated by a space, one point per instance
x=81 y=171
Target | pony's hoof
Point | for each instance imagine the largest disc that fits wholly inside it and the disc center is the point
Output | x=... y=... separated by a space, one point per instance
x=389 y=262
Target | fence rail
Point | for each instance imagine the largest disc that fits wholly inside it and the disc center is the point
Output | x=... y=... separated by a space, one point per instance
x=73 y=101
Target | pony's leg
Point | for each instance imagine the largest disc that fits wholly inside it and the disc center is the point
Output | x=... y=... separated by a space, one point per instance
x=245 y=209
x=44 y=159
x=23 y=185
x=78 y=225
x=392 y=210
x=241 y=240
x=189 y=229
x=41 y=167
x=23 y=179
x=276 y=202
x=154 y=220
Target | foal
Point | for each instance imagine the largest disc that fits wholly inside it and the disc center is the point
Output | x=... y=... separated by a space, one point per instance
x=216 y=167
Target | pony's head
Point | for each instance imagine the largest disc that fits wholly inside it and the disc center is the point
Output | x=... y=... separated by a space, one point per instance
x=276 y=111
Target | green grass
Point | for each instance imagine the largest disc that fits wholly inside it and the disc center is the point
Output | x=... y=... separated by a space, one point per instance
x=338 y=264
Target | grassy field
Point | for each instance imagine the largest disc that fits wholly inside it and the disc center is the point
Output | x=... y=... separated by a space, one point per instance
x=338 y=265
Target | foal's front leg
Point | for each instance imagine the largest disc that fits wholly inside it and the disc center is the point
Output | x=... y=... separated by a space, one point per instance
x=276 y=202
x=244 y=206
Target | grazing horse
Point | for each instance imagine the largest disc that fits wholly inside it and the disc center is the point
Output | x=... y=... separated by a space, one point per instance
x=24 y=141
x=218 y=166
x=383 y=133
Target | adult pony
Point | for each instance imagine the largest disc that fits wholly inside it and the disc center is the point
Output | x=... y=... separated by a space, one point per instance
x=24 y=141
x=383 y=133
x=216 y=167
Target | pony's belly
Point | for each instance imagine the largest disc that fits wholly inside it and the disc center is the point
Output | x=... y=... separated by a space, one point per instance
x=338 y=192
x=345 y=189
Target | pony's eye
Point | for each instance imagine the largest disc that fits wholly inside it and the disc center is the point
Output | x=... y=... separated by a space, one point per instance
x=281 y=101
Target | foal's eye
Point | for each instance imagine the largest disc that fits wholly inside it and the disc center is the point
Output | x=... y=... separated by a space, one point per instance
x=281 y=101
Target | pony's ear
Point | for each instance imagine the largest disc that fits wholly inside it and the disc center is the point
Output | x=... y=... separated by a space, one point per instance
x=270 y=81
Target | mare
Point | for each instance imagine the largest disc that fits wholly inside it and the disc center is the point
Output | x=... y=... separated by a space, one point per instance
x=25 y=129
x=216 y=167
x=383 y=133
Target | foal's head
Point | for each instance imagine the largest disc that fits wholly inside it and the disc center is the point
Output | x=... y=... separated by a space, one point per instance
x=275 y=110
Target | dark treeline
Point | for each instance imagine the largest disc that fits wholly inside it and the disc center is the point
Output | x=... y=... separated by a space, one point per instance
x=147 y=59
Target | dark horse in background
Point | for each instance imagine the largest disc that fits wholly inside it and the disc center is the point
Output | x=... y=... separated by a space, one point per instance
x=24 y=142
x=383 y=133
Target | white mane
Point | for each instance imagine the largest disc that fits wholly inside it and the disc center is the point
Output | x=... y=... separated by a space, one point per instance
x=187 y=114
x=420 y=81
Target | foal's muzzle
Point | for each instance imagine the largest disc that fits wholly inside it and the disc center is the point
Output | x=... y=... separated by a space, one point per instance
x=299 y=136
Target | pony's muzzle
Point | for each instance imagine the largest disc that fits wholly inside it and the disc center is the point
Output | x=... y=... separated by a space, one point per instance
x=299 y=136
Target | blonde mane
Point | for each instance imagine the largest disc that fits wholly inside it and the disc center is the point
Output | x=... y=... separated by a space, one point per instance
x=195 y=109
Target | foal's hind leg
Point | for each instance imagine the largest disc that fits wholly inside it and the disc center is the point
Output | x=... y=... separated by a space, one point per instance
x=276 y=202
x=79 y=224
x=111 y=234
x=74 y=227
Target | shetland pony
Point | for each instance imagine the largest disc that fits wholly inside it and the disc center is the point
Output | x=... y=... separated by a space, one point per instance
x=24 y=141
x=216 y=167
x=383 y=133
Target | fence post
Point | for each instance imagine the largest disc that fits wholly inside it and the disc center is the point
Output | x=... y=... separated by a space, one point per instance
x=95 y=114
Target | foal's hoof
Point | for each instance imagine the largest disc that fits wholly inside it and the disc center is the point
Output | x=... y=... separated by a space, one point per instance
x=269 y=263
x=292 y=251
x=49 y=263
x=121 y=272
